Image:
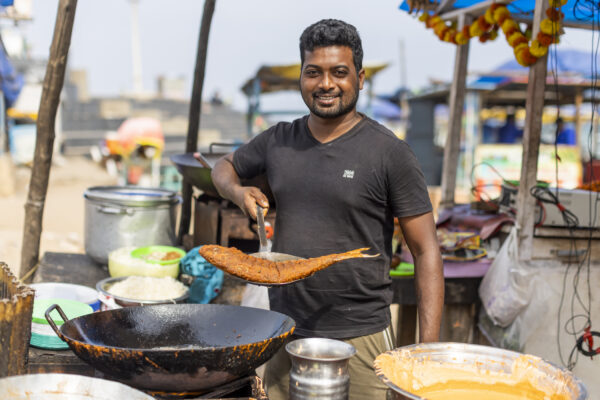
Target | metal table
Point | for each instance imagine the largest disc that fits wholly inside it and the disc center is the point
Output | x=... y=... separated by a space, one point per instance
x=461 y=303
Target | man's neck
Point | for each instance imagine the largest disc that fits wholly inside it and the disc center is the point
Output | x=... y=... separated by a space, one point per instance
x=328 y=129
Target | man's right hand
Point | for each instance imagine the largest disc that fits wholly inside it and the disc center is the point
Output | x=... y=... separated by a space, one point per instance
x=247 y=197
x=229 y=187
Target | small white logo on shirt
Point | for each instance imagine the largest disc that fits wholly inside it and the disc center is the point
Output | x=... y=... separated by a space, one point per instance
x=348 y=173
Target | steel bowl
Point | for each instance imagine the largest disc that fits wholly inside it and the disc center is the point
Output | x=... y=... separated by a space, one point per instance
x=65 y=387
x=104 y=295
x=487 y=358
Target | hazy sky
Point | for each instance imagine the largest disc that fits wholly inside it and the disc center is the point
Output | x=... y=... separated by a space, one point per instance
x=246 y=34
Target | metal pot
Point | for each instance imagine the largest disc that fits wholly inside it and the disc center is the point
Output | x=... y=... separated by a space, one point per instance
x=319 y=369
x=64 y=387
x=119 y=216
x=487 y=359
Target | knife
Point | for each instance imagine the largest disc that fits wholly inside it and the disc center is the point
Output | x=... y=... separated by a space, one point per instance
x=262 y=234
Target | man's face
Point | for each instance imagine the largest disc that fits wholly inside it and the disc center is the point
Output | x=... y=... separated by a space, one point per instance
x=329 y=83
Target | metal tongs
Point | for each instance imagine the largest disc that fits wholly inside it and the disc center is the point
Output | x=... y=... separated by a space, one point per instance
x=263 y=251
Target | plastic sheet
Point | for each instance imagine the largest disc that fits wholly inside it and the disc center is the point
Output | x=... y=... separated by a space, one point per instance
x=505 y=288
x=256 y=296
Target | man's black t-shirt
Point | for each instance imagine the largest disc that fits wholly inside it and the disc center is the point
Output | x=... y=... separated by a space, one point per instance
x=331 y=198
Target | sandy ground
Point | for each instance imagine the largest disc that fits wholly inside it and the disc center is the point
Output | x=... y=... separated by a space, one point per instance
x=63 y=223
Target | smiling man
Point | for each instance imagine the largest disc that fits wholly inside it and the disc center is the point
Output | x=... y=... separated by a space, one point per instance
x=339 y=178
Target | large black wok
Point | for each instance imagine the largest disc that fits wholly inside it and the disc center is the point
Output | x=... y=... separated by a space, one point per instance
x=198 y=173
x=176 y=347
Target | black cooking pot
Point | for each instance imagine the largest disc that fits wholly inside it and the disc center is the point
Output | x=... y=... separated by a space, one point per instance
x=175 y=347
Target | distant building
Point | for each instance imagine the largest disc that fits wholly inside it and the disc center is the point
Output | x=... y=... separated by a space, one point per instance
x=86 y=121
x=171 y=88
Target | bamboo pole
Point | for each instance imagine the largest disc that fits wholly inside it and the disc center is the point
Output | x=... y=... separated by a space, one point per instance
x=191 y=143
x=534 y=108
x=42 y=159
x=457 y=102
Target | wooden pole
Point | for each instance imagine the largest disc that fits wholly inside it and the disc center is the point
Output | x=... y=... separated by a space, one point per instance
x=577 y=121
x=594 y=136
x=4 y=141
x=457 y=102
x=534 y=108
x=42 y=159
x=191 y=143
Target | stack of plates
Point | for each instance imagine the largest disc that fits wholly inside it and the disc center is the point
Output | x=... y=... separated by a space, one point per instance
x=42 y=334
x=68 y=291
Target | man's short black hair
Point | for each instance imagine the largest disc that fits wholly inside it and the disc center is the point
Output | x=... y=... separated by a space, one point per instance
x=332 y=32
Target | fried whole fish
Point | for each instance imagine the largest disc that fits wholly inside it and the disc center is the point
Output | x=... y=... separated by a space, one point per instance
x=259 y=270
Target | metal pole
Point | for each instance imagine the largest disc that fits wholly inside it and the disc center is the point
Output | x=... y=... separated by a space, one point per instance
x=191 y=143
x=136 y=53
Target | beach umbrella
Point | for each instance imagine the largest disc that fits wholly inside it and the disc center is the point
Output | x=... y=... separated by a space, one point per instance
x=141 y=131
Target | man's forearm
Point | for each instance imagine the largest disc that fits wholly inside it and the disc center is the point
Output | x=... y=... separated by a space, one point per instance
x=229 y=186
x=226 y=180
x=429 y=277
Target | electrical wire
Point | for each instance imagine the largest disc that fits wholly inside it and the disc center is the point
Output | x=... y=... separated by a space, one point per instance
x=545 y=195
x=477 y=189
x=583 y=10
x=593 y=8
x=492 y=168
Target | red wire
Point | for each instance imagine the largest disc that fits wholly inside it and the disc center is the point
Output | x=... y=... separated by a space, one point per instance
x=543 y=209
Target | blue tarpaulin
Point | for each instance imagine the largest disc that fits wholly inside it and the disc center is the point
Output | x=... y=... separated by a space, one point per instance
x=10 y=81
x=566 y=61
x=524 y=9
x=385 y=110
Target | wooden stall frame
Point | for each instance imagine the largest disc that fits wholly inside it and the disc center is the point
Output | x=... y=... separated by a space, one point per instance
x=533 y=122
x=457 y=102
x=531 y=143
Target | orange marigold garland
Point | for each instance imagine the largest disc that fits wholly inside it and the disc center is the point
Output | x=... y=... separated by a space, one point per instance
x=496 y=17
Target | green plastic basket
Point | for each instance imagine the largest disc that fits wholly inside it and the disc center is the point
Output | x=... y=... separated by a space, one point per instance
x=515 y=183
x=404 y=269
x=145 y=251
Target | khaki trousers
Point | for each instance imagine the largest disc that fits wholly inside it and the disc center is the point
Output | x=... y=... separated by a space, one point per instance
x=364 y=384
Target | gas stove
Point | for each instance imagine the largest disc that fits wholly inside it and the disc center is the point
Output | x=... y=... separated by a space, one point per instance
x=249 y=387
x=219 y=221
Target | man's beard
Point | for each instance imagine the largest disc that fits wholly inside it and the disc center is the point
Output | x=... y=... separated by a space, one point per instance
x=344 y=107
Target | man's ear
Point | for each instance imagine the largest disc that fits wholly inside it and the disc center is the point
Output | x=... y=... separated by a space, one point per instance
x=361 y=78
